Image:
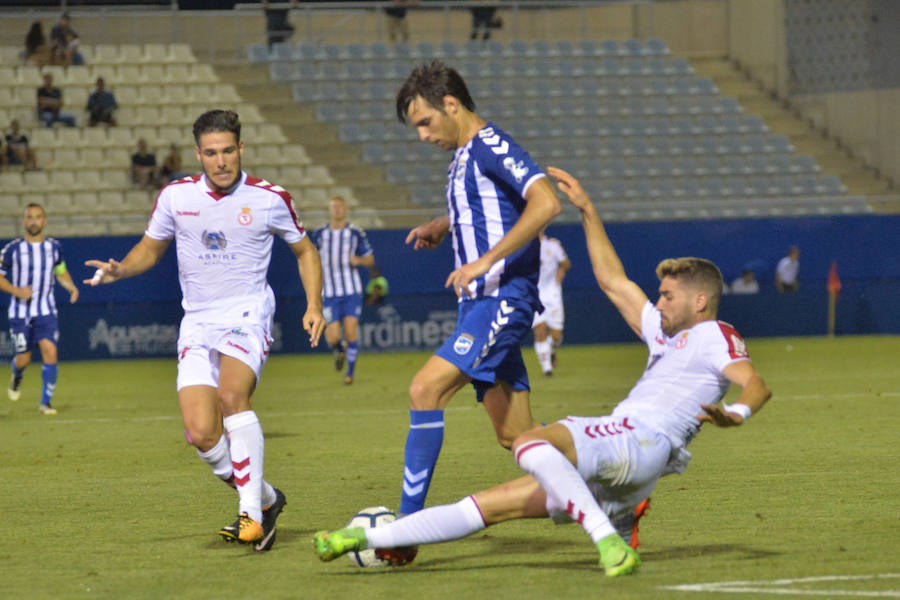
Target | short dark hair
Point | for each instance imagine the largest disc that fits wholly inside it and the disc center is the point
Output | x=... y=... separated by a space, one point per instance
x=34 y=205
x=215 y=121
x=433 y=81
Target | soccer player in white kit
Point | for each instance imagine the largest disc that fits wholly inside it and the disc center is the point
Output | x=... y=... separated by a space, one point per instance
x=224 y=222
x=594 y=470
x=548 y=325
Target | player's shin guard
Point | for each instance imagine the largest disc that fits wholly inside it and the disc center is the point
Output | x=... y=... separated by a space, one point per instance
x=429 y=526
x=423 y=445
x=219 y=459
x=247 y=453
x=564 y=485
x=352 y=353
x=48 y=375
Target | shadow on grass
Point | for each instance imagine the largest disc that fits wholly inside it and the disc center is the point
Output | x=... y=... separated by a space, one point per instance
x=539 y=550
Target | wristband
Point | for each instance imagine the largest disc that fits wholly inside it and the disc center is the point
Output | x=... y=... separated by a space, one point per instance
x=738 y=409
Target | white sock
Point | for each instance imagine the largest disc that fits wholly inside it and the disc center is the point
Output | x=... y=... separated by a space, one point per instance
x=561 y=481
x=219 y=458
x=544 y=352
x=429 y=526
x=247 y=454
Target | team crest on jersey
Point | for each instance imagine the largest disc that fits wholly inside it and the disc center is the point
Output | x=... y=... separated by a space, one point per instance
x=463 y=344
x=245 y=218
x=460 y=170
x=214 y=240
x=682 y=341
x=518 y=169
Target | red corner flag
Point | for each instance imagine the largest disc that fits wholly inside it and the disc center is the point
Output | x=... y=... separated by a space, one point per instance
x=834 y=283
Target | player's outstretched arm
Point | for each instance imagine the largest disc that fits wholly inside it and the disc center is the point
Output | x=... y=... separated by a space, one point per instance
x=754 y=394
x=429 y=235
x=608 y=269
x=140 y=259
x=541 y=207
x=310 y=266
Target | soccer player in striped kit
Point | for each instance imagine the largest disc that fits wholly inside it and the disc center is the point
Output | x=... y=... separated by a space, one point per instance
x=343 y=248
x=497 y=200
x=29 y=266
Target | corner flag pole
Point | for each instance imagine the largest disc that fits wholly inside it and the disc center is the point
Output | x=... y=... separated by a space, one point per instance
x=834 y=287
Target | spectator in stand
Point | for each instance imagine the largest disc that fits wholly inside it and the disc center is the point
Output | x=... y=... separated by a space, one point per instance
x=786 y=272
x=3 y=155
x=37 y=52
x=278 y=26
x=144 y=171
x=397 y=27
x=18 y=152
x=65 y=43
x=746 y=283
x=377 y=288
x=101 y=104
x=484 y=21
x=50 y=103
x=171 y=169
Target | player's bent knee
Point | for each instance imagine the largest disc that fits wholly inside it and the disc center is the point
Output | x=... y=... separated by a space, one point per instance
x=421 y=397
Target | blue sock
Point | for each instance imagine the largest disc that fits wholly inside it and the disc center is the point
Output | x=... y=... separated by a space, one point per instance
x=48 y=374
x=17 y=372
x=423 y=445
x=352 y=351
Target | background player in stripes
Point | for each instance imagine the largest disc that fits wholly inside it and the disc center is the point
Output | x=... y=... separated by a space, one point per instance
x=498 y=200
x=595 y=470
x=225 y=222
x=548 y=324
x=28 y=267
x=343 y=248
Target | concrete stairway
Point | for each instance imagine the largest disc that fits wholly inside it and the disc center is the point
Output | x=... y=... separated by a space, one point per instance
x=834 y=160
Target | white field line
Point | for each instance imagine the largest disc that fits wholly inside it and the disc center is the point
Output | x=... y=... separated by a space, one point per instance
x=788 y=587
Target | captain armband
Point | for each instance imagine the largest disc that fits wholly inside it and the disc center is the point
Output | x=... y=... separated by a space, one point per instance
x=60 y=268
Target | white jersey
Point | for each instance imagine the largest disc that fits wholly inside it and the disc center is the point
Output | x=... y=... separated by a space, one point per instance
x=683 y=372
x=224 y=244
x=552 y=255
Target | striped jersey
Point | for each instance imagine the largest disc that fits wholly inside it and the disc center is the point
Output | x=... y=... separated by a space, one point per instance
x=336 y=246
x=486 y=186
x=31 y=264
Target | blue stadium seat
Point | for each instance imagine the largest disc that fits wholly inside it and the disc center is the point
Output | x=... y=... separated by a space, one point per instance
x=608 y=48
x=802 y=164
x=543 y=49
x=305 y=51
x=257 y=53
x=373 y=153
x=518 y=48
x=281 y=51
x=425 y=51
x=379 y=50
x=831 y=185
x=679 y=66
x=632 y=48
x=587 y=48
x=281 y=71
x=449 y=49
x=656 y=46
x=355 y=51
x=474 y=49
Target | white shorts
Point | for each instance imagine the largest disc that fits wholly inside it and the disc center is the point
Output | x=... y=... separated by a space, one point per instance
x=201 y=344
x=554 y=315
x=619 y=459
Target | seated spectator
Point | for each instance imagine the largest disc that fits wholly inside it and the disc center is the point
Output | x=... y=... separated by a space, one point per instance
x=101 y=104
x=745 y=284
x=50 y=103
x=144 y=171
x=18 y=152
x=170 y=170
x=37 y=52
x=65 y=43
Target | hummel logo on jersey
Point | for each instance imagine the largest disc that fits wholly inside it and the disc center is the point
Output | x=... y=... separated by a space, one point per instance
x=518 y=169
x=491 y=139
x=500 y=320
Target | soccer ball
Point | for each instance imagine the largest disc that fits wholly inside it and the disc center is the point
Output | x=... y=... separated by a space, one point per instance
x=373 y=516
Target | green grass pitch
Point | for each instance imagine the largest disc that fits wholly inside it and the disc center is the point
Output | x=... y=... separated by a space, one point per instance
x=106 y=500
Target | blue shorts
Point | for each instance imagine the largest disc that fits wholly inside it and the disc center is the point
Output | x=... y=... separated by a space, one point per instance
x=338 y=307
x=487 y=343
x=25 y=333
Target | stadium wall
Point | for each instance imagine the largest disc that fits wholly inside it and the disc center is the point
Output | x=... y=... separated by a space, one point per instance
x=139 y=317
